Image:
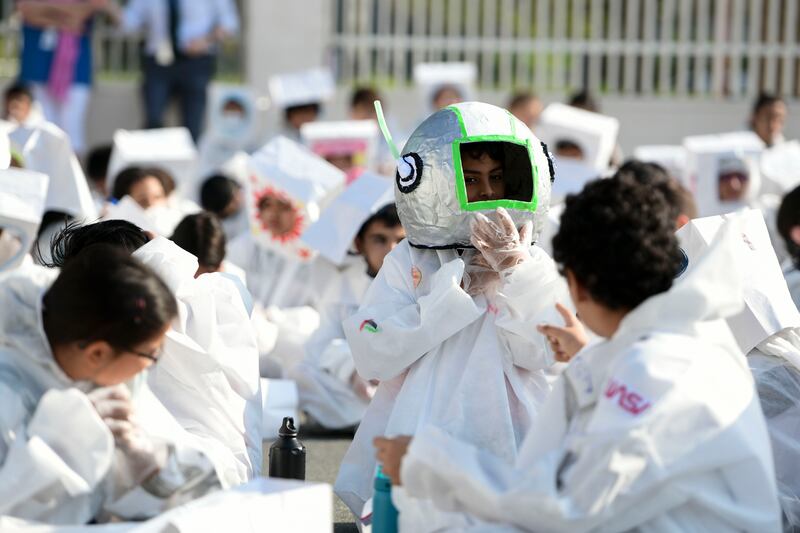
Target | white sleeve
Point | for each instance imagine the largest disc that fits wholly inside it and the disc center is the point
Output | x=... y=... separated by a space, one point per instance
x=620 y=472
x=327 y=349
x=51 y=466
x=394 y=328
x=527 y=298
x=459 y=477
x=194 y=464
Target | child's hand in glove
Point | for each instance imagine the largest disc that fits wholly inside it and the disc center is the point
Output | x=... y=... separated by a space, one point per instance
x=499 y=241
x=479 y=276
x=144 y=456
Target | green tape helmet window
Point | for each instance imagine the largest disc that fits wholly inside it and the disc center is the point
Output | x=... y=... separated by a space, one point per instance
x=467 y=158
x=501 y=164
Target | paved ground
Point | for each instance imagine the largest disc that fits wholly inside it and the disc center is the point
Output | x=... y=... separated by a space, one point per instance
x=323 y=455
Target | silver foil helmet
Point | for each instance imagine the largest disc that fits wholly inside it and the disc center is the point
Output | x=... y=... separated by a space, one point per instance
x=431 y=193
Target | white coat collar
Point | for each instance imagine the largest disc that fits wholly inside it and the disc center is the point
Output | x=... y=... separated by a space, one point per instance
x=712 y=290
x=23 y=333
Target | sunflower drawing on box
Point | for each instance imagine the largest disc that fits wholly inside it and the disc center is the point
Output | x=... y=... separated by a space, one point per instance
x=278 y=220
x=286 y=190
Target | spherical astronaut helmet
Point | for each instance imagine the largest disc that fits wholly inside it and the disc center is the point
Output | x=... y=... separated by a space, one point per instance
x=431 y=192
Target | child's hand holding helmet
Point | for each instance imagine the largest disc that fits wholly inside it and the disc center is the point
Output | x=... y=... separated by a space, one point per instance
x=499 y=241
x=479 y=276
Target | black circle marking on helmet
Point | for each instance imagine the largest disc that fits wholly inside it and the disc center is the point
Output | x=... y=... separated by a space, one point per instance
x=409 y=183
x=551 y=166
x=684 y=264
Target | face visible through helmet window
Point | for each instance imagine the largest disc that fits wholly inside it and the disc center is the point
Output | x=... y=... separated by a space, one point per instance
x=496 y=171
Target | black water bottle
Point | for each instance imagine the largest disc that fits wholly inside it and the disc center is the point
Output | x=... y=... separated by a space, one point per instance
x=287 y=455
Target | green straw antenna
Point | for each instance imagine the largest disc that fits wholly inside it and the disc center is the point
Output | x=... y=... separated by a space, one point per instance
x=403 y=167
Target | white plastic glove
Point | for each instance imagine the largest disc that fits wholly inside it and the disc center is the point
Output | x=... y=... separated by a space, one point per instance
x=499 y=241
x=479 y=276
x=143 y=456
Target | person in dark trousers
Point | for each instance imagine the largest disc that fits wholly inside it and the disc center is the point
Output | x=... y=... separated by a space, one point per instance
x=181 y=41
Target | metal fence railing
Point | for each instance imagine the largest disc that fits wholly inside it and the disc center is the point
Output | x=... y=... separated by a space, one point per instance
x=116 y=55
x=665 y=48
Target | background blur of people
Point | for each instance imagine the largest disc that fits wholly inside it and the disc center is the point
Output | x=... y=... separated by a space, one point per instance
x=56 y=60
x=527 y=107
x=362 y=103
x=584 y=100
x=182 y=37
x=17 y=103
x=769 y=118
x=446 y=95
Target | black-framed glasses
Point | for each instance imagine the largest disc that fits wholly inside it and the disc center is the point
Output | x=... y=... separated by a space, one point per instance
x=154 y=357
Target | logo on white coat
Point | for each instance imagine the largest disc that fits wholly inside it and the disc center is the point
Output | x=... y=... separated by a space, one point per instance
x=628 y=400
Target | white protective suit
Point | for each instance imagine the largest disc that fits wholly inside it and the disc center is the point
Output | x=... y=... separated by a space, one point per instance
x=768 y=331
x=279 y=268
x=656 y=429
x=463 y=364
x=324 y=377
x=208 y=375
x=58 y=462
x=284 y=314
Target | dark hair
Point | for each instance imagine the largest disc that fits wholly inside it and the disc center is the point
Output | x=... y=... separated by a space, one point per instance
x=617 y=237
x=364 y=96
x=217 y=192
x=73 y=239
x=313 y=106
x=765 y=99
x=584 y=100
x=386 y=215
x=567 y=144
x=788 y=218
x=202 y=236
x=444 y=88
x=476 y=150
x=106 y=294
x=49 y=219
x=653 y=175
x=130 y=176
x=97 y=162
x=521 y=98
x=18 y=89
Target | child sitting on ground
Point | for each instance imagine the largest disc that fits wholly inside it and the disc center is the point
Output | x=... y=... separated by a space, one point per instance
x=656 y=427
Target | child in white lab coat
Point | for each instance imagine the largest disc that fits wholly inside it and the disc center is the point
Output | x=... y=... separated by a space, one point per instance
x=208 y=378
x=441 y=325
x=70 y=444
x=656 y=427
x=288 y=187
x=330 y=389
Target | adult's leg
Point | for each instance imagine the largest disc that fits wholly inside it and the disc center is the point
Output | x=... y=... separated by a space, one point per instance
x=48 y=105
x=156 y=91
x=196 y=73
x=73 y=115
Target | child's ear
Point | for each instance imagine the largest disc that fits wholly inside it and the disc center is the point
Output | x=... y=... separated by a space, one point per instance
x=358 y=243
x=576 y=290
x=794 y=234
x=97 y=354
